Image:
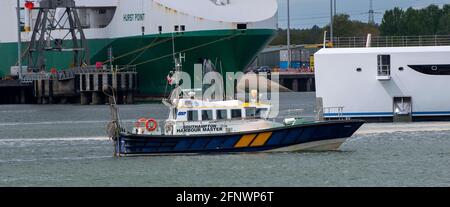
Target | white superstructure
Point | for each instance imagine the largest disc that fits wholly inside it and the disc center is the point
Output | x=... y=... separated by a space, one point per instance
x=124 y=18
x=192 y=116
x=384 y=81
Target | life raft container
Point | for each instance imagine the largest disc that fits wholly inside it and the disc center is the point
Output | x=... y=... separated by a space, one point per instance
x=140 y=123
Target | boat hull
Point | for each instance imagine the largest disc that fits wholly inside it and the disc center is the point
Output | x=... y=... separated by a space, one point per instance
x=320 y=136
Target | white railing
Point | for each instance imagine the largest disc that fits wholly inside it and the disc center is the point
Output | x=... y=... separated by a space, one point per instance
x=70 y=73
x=336 y=111
x=295 y=113
x=384 y=70
x=392 y=41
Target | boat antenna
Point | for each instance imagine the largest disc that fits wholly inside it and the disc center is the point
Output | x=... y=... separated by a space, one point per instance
x=113 y=128
x=19 y=41
x=221 y=73
x=173 y=50
x=177 y=64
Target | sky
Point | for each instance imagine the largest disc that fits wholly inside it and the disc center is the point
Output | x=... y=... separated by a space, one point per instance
x=307 y=13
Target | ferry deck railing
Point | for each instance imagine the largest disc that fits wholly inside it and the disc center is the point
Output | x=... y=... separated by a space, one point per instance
x=334 y=112
x=384 y=70
x=391 y=41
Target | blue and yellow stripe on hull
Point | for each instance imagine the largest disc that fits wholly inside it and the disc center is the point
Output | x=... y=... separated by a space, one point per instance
x=255 y=141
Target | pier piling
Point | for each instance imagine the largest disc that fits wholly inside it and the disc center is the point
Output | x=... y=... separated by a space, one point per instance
x=97 y=98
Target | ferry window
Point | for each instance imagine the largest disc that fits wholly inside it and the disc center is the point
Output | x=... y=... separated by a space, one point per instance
x=160 y=29
x=175 y=113
x=432 y=69
x=207 y=115
x=177 y=28
x=236 y=113
x=250 y=113
x=221 y=114
x=192 y=115
x=183 y=28
x=242 y=26
x=99 y=17
x=384 y=65
x=260 y=113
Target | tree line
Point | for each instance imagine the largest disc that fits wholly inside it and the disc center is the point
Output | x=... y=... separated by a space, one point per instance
x=431 y=20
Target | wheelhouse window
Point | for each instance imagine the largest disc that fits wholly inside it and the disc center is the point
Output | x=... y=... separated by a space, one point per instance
x=236 y=113
x=384 y=65
x=221 y=114
x=250 y=113
x=175 y=113
x=192 y=115
x=261 y=113
x=207 y=115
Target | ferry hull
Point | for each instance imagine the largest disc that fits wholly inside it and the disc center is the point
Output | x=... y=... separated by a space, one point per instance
x=153 y=54
x=320 y=136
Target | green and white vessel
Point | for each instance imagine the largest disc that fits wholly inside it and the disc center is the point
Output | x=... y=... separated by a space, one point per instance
x=147 y=33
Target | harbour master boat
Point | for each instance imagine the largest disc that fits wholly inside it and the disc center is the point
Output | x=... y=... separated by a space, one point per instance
x=198 y=126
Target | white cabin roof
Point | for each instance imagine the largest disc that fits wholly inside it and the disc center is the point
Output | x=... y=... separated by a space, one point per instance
x=239 y=11
x=193 y=103
x=380 y=50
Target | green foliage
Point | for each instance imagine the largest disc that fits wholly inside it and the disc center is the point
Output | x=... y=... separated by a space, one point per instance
x=431 y=20
x=391 y=23
x=300 y=36
x=343 y=27
x=444 y=21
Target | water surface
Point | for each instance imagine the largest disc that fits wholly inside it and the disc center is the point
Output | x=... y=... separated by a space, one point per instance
x=65 y=145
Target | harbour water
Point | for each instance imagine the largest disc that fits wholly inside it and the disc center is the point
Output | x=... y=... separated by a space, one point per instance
x=66 y=145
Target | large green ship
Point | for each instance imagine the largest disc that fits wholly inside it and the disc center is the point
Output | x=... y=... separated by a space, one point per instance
x=146 y=33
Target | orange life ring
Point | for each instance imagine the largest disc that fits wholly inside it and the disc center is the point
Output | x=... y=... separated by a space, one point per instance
x=153 y=126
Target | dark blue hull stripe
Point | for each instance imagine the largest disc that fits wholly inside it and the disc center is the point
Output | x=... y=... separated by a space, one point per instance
x=281 y=137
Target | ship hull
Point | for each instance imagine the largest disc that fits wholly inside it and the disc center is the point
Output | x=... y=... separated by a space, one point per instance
x=153 y=54
x=320 y=136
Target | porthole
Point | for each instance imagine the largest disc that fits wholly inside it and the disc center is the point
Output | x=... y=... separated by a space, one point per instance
x=434 y=68
x=358 y=69
x=401 y=69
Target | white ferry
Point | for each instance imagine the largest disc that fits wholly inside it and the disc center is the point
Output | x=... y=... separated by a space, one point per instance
x=384 y=83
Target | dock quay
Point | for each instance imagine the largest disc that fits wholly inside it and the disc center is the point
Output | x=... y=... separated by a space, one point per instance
x=83 y=85
x=15 y=92
x=298 y=81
